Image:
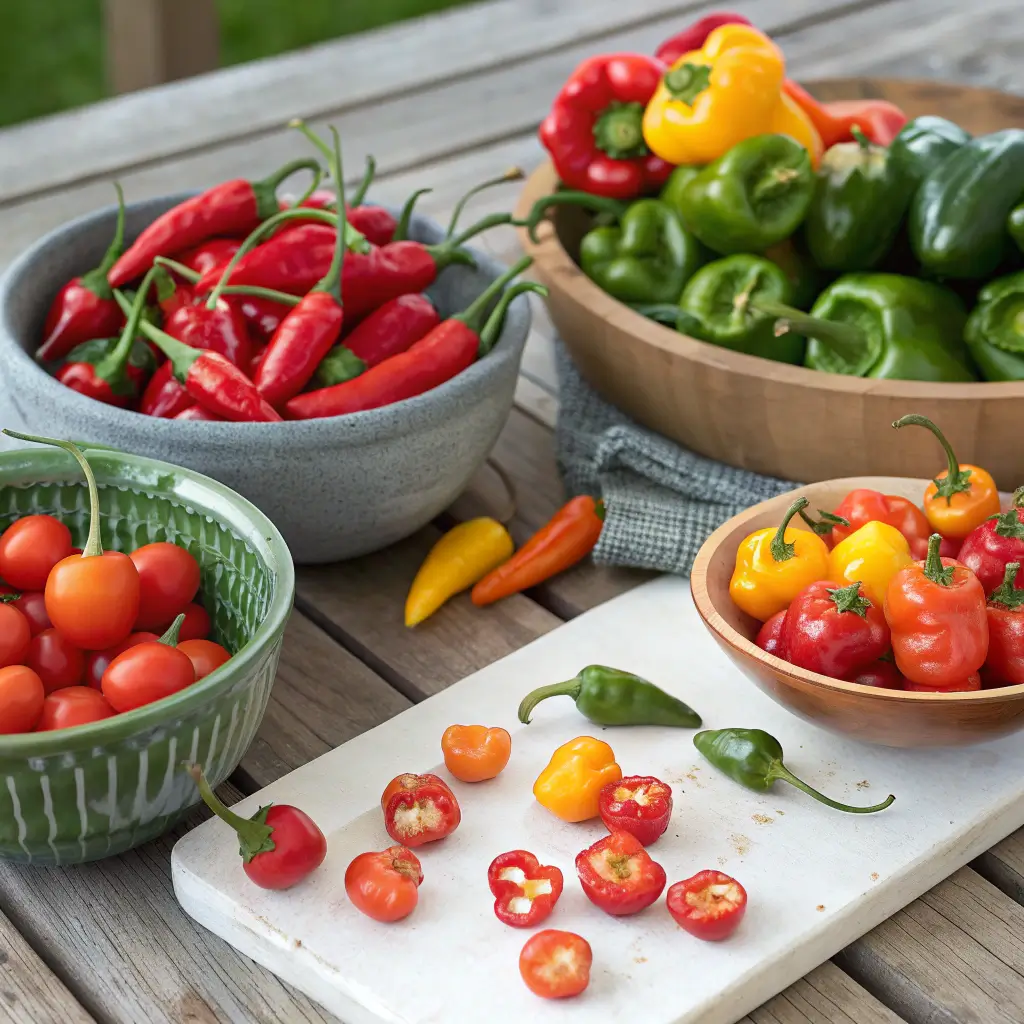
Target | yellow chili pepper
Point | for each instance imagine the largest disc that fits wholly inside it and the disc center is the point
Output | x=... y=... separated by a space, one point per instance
x=870 y=556
x=462 y=557
x=774 y=565
x=725 y=92
x=575 y=775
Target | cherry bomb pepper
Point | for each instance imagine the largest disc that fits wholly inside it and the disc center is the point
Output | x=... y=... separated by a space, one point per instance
x=709 y=905
x=525 y=891
x=85 y=308
x=638 y=804
x=1004 y=665
x=419 y=809
x=618 y=875
x=990 y=547
x=863 y=505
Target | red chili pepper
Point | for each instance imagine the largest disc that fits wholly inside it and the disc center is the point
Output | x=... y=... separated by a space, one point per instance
x=972 y=682
x=990 y=547
x=1004 y=665
x=164 y=397
x=863 y=505
x=525 y=890
x=594 y=130
x=170 y=294
x=263 y=316
x=881 y=673
x=710 y=905
x=211 y=256
x=834 y=630
x=85 y=308
x=221 y=329
x=618 y=875
x=769 y=636
x=693 y=38
x=419 y=809
x=197 y=412
x=444 y=353
x=638 y=804
x=231 y=208
x=279 y=845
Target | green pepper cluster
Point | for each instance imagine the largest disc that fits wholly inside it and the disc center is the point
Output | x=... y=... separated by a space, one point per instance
x=865 y=266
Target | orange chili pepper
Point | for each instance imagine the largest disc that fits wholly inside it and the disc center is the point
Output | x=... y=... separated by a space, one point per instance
x=475 y=753
x=569 y=537
x=960 y=499
x=879 y=120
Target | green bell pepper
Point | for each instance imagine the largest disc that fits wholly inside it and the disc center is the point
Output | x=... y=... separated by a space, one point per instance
x=673 y=188
x=723 y=297
x=1015 y=225
x=860 y=199
x=750 y=198
x=805 y=279
x=995 y=329
x=884 y=326
x=924 y=143
x=669 y=315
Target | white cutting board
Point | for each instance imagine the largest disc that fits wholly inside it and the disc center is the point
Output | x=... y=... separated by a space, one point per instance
x=816 y=878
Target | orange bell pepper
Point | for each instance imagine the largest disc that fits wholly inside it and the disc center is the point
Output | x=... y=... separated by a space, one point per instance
x=570 y=786
x=474 y=753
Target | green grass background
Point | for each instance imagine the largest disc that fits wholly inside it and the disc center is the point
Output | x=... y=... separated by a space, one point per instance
x=51 y=51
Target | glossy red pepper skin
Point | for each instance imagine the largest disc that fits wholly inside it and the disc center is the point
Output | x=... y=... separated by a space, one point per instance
x=374 y=222
x=510 y=890
x=222 y=330
x=993 y=545
x=618 y=875
x=419 y=809
x=693 y=37
x=262 y=316
x=197 y=412
x=299 y=849
x=710 y=905
x=769 y=636
x=863 y=505
x=638 y=804
x=211 y=256
x=164 y=396
x=222 y=388
x=82 y=377
x=1004 y=665
x=880 y=673
x=78 y=314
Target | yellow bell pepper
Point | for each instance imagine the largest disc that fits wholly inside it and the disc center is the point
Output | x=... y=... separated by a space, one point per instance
x=462 y=557
x=728 y=91
x=774 y=565
x=870 y=556
x=577 y=772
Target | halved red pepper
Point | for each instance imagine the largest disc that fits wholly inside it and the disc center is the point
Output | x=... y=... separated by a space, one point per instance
x=618 y=875
x=709 y=905
x=419 y=809
x=525 y=890
x=638 y=804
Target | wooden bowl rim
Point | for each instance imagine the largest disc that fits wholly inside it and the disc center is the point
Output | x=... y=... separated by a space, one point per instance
x=717 y=625
x=561 y=274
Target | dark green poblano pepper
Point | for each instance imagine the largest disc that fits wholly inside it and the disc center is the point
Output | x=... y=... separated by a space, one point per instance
x=753 y=758
x=609 y=696
x=995 y=329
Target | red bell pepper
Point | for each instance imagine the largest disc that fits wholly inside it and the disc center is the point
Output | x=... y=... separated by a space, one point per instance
x=882 y=673
x=638 y=804
x=769 y=636
x=863 y=505
x=710 y=905
x=525 y=890
x=1005 y=663
x=834 y=630
x=693 y=38
x=618 y=875
x=594 y=130
x=936 y=612
x=879 y=120
x=990 y=547
x=419 y=809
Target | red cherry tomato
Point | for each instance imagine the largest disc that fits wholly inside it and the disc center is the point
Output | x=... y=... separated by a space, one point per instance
x=30 y=548
x=168 y=580
x=97 y=661
x=94 y=600
x=145 y=673
x=555 y=964
x=196 y=625
x=32 y=604
x=21 y=699
x=385 y=885
x=15 y=636
x=205 y=656
x=71 y=706
x=55 y=661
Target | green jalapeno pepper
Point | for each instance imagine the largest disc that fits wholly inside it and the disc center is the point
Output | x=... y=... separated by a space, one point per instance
x=609 y=696
x=995 y=329
x=753 y=758
x=924 y=143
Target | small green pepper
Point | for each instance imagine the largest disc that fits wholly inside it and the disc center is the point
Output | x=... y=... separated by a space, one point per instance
x=752 y=197
x=805 y=279
x=753 y=758
x=995 y=329
x=1015 y=226
x=924 y=143
x=609 y=696
x=673 y=188
x=669 y=315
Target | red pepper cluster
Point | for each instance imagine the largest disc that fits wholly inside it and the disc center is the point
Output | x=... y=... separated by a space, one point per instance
x=249 y=311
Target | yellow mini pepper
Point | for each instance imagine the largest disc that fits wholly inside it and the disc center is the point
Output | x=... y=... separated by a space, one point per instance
x=870 y=556
x=728 y=91
x=577 y=772
x=774 y=565
x=462 y=557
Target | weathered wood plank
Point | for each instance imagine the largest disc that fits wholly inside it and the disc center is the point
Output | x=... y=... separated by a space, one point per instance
x=825 y=996
x=1003 y=865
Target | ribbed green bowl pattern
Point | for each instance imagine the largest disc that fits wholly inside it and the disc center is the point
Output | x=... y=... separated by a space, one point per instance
x=82 y=794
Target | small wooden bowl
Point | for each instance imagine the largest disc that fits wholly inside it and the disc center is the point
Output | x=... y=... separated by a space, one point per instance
x=785 y=421
x=893 y=718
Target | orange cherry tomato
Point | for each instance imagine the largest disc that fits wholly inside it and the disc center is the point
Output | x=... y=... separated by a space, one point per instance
x=474 y=753
x=15 y=636
x=145 y=673
x=205 y=655
x=385 y=885
x=94 y=599
x=71 y=706
x=168 y=580
x=32 y=604
x=29 y=548
x=96 y=662
x=197 y=623
x=21 y=699
x=55 y=661
x=556 y=964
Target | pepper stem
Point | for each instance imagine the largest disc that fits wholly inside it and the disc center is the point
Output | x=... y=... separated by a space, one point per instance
x=405 y=217
x=232 y=289
x=847 y=340
x=364 y=186
x=474 y=314
x=860 y=138
x=933 y=567
x=686 y=82
x=331 y=283
x=170 y=638
x=1017 y=501
x=823 y=527
x=96 y=280
x=254 y=836
x=619 y=133
x=781 y=550
x=10 y=598
x=779 y=771
x=597 y=204
x=265 y=189
x=93 y=545
x=181 y=356
x=570 y=688
x=1008 y=593
x=956 y=479
x=111 y=367
x=493 y=220
x=850 y=599
x=512 y=174
x=491 y=330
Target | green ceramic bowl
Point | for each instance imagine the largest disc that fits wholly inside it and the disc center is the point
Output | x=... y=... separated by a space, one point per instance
x=96 y=790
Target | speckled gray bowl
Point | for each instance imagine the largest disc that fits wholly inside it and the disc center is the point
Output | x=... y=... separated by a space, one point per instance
x=335 y=488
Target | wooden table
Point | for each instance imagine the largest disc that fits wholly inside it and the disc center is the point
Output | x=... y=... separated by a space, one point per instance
x=448 y=101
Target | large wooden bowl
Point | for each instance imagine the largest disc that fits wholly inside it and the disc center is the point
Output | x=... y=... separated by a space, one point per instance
x=786 y=421
x=893 y=718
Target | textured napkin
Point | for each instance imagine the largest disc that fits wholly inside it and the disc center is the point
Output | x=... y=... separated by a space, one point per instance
x=661 y=500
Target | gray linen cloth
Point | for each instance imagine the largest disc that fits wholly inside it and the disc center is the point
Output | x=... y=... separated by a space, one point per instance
x=661 y=500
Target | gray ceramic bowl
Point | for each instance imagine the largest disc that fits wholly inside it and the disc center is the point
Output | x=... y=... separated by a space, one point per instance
x=335 y=488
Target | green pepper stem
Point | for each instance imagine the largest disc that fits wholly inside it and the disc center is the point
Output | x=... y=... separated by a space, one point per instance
x=96 y=280
x=596 y=204
x=364 y=186
x=181 y=356
x=512 y=174
x=619 y=131
x=272 y=181
x=570 y=688
x=111 y=366
x=782 y=551
x=823 y=527
x=847 y=340
x=1007 y=593
x=331 y=281
x=850 y=599
x=491 y=330
x=779 y=771
x=170 y=638
x=860 y=138
x=1017 y=501
x=956 y=479
x=493 y=220
x=405 y=217
x=254 y=836
x=93 y=545
x=232 y=289
x=473 y=316
x=686 y=82
x=940 y=574
x=190 y=275
x=10 y=598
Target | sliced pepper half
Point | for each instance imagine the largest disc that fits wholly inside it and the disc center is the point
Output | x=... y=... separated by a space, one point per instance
x=525 y=890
